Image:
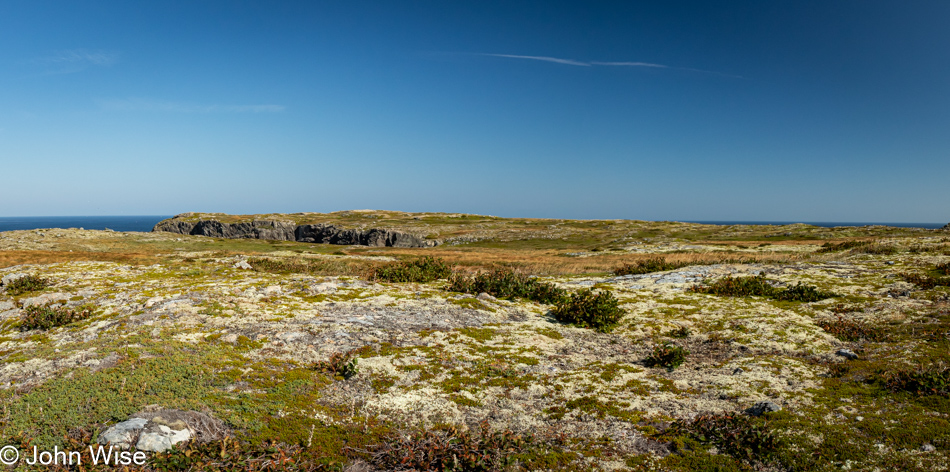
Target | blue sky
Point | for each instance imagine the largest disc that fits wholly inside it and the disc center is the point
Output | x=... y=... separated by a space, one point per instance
x=745 y=110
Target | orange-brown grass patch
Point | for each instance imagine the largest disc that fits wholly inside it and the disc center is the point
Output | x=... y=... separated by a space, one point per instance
x=12 y=258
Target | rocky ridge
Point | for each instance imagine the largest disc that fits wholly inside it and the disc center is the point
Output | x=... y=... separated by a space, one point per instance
x=288 y=231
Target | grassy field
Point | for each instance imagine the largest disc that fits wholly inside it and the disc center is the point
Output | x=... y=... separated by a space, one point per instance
x=315 y=359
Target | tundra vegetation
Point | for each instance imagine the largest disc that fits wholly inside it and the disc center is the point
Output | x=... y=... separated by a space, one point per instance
x=515 y=344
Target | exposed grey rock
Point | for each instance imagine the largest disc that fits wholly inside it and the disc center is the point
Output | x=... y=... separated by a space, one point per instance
x=761 y=408
x=242 y=265
x=122 y=434
x=158 y=437
x=927 y=448
x=486 y=296
x=287 y=231
x=847 y=353
x=737 y=371
x=11 y=277
x=946 y=227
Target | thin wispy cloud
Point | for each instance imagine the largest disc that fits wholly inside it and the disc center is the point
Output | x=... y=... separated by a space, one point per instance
x=137 y=104
x=80 y=56
x=556 y=60
x=573 y=62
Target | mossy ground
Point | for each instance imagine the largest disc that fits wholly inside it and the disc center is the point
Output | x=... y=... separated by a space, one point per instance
x=175 y=324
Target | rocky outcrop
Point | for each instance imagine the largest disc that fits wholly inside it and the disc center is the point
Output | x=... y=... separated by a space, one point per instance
x=287 y=231
x=946 y=227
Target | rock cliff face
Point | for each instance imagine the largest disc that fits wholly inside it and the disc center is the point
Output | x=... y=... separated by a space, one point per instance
x=287 y=231
x=946 y=227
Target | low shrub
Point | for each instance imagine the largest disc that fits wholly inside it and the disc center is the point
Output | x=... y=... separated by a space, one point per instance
x=505 y=283
x=323 y=266
x=844 y=246
x=656 y=264
x=801 y=293
x=733 y=434
x=422 y=270
x=759 y=286
x=681 y=332
x=667 y=355
x=943 y=268
x=450 y=449
x=877 y=249
x=920 y=381
x=852 y=330
x=28 y=283
x=50 y=316
x=926 y=282
x=588 y=309
x=339 y=364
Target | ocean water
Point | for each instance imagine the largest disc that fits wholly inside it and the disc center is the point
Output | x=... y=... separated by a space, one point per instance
x=823 y=224
x=116 y=223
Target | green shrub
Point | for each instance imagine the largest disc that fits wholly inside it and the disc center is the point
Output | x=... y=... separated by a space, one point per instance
x=926 y=282
x=656 y=264
x=943 y=268
x=448 y=448
x=852 y=330
x=422 y=270
x=29 y=283
x=844 y=246
x=504 y=283
x=759 y=286
x=587 y=309
x=801 y=293
x=877 y=249
x=667 y=355
x=340 y=364
x=681 y=332
x=920 y=381
x=736 y=435
x=50 y=316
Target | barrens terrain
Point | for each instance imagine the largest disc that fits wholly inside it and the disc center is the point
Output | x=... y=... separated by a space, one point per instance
x=375 y=340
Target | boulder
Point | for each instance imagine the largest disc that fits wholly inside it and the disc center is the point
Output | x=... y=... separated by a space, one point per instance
x=157 y=429
x=762 y=408
x=847 y=354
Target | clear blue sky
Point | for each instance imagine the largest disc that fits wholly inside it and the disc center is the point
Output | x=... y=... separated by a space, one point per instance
x=745 y=110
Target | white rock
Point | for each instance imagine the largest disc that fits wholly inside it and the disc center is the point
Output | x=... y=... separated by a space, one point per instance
x=927 y=448
x=122 y=434
x=273 y=290
x=160 y=438
x=11 y=277
x=242 y=265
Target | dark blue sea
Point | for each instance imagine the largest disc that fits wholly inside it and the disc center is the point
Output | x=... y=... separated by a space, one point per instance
x=822 y=224
x=116 y=223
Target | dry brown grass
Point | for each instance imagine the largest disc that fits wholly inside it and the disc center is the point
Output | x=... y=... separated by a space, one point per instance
x=12 y=258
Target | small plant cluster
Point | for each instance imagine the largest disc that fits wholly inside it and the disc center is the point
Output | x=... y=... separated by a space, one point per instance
x=422 y=270
x=926 y=282
x=340 y=364
x=50 y=316
x=224 y=454
x=852 y=330
x=681 y=332
x=588 y=309
x=505 y=283
x=655 y=264
x=844 y=246
x=733 y=434
x=920 y=381
x=451 y=449
x=28 y=283
x=759 y=286
x=667 y=355
x=943 y=268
